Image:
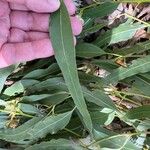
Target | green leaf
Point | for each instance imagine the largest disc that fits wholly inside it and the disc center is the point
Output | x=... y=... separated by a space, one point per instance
x=135 y=49
x=139 y=112
x=89 y=30
x=51 y=84
x=27 y=108
x=121 y=33
x=118 y=142
x=99 y=117
x=140 y=65
x=19 y=134
x=60 y=144
x=40 y=73
x=141 y=84
x=109 y=140
x=3 y=120
x=47 y=99
x=100 y=10
x=99 y=98
x=146 y=76
x=108 y=65
x=17 y=87
x=36 y=128
x=88 y=78
x=63 y=44
x=4 y=73
x=88 y=50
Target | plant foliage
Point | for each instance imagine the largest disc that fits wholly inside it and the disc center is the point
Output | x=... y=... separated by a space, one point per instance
x=94 y=95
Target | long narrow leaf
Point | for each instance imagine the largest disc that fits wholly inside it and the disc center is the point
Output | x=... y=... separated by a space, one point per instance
x=141 y=65
x=62 y=41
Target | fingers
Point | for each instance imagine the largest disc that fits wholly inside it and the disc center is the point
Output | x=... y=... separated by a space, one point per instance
x=24 y=6
x=42 y=6
x=4 y=29
x=20 y=36
x=70 y=6
x=16 y=6
x=4 y=22
x=19 y=52
x=28 y=21
x=4 y=8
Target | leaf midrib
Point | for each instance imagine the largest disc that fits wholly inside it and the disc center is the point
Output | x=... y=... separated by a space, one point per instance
x=61 y=26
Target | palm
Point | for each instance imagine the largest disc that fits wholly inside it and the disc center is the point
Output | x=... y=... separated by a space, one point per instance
x=24 y=34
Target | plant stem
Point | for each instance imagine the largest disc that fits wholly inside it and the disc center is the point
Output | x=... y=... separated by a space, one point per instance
x=17 y=113
x=74 y=133
x=134 y=18
x=135 y=94
x=117 y=93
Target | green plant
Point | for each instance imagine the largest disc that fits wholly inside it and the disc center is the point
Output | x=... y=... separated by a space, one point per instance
x=67 y=103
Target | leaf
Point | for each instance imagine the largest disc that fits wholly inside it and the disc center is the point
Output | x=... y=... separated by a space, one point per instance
x=36 y=128
x=40 y=73
x=136 y=49
x=88 y=78
x=27 y=108
x=4 y=73
x=3 y=120
x=19 y=134
x=139 y=112
x=119 y=142
x=60 y=144
x=123 y=32
x=63 y=44
x=17 y=87
x=141 y=84
x=109 y=140
x=88 y=50
x=99 y=117
x=47 y=99
x=99 y=98
x=89 y=30
x=140 y=65
x=51 y=84
x=146 y=76
x=100 y=10
x=105 y=64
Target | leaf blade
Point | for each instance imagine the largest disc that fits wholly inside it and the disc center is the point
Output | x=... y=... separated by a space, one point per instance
x=62 y=41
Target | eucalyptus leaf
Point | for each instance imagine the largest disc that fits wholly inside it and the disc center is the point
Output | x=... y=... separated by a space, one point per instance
x=4 y=73
x=36 y=128
x=121 y=33
x=100 y=10
x=140 y=65
x=139 y=112
x=100 y=98
x=60 y=144
x=63 y=44
x=88 y=50
x=16 y=88
x=47 y=99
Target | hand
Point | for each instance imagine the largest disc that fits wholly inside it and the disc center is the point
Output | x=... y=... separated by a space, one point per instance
x=24 y=29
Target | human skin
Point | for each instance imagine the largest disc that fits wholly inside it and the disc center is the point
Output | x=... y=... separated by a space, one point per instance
x=24 y=29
